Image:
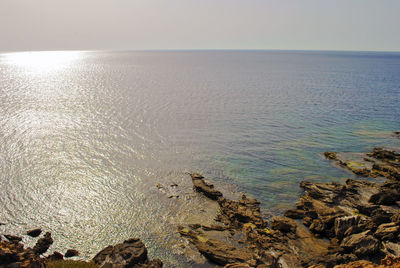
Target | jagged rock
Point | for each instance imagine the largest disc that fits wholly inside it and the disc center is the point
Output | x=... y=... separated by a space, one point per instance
x=43 y=244
x=127 y=254
x=283 y=224
x=71 y=253
x=206 y=188
x=342 y=224
x=13 y=238
x=34 y=232
x=362 y=244
x=387 y=231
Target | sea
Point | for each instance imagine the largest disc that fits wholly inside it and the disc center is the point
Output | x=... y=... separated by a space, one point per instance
x=95 y=146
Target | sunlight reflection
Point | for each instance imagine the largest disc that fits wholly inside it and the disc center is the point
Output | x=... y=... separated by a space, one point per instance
x=43 y=61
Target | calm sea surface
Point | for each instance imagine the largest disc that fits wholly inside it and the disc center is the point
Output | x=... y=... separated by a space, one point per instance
x=85 y=137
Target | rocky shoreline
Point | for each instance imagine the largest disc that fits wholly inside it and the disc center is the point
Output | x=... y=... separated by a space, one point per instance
x=130 y=253
x=354 y=224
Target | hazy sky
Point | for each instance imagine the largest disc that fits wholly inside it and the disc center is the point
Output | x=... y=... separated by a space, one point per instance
x=199 y=24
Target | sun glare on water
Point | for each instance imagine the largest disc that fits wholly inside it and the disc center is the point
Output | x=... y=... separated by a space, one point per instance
x=43 y=61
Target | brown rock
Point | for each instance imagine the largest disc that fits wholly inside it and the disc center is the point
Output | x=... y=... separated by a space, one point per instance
x=206 y=188
x=387 y=231
x=342 y=224
x=283 y=224
x=362 y=244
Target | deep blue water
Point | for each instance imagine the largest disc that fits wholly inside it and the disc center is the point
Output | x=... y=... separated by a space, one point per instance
x=86 y=136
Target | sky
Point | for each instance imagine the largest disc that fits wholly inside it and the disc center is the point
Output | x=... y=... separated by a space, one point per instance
x=371 y=25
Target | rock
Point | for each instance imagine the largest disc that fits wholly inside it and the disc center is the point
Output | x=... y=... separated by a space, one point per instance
x=385 y=197
x=13 y=238
x=55 y=256
x=206 y=188
x=383 y=154
x=217 y=251
x=237 y=265
x=71 y=253
x=13 y=254
x=130 y=252
x=295 y=213
x=387 y=231
x=342 y=224
x=43 y=244
x=283 y=224
x=330 y=155
x=34 y=232
x=362 y=244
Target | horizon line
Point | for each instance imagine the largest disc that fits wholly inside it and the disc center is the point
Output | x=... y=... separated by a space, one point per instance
x=197 y=49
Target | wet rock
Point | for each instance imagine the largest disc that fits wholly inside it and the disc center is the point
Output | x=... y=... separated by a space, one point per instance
x=330 y=155
x=362 y=244
x=71 y=253
x=34 y=232
x=283 y=224
x=13 y=238
x=43 y=244
x=127 y=254
x=396 y=134
x=206 y=188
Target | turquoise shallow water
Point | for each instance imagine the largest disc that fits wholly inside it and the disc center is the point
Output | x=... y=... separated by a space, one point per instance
x=86 y=136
